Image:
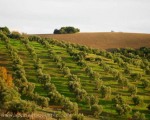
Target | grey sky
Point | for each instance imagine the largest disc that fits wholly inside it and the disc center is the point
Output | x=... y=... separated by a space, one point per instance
x=43 y=16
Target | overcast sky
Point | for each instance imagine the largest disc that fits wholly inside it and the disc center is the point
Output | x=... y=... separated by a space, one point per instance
x=43 y=16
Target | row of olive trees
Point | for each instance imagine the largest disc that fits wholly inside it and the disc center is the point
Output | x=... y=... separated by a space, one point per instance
x=132 y=57
x=53 y=94
x=10 y=100
x=94 y=76
x=24 y=87
x=74 y=85
x=123 y=108
x=82 y=62
x=122 y=60
x=10 y=96
x=124 y=82
x=42 y=78
x=19 y=74
x=74 y=81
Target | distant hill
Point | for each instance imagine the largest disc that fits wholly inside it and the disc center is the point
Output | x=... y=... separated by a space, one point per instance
x=105 y=40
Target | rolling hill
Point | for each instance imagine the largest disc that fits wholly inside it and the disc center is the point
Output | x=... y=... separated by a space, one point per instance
x=58 y=77
x=105 y=40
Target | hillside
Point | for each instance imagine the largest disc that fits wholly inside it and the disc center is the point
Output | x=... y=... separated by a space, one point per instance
x=105 y=40
x=58 y=76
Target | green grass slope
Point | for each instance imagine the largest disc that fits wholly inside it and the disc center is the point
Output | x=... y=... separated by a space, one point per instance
x=88 y=84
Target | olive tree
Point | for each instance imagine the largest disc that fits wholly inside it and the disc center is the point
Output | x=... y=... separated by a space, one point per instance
x=96 y=110
x=105 y=91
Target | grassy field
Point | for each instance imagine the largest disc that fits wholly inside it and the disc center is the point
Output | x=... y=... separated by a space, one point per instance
x=97 y=40
x=105 y=40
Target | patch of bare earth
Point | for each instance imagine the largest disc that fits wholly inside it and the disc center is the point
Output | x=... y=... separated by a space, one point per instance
x=105 y=40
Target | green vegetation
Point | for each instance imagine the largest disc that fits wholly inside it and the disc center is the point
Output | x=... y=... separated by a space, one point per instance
x=66 y=30
x=70 y=79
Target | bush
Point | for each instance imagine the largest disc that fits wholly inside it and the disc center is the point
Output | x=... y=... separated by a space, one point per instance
x=21 y=106
x=105 y=91
x=60 y=115
x=123 y=82
x=80 y=94
x=34 y=38
x=91 y=100
x=96 y=110
x=66 y=71
x=3 y=37
x=43 y=101
x=138 y=116
x=70 y=107
x=98 y=84
x=15 y=35
x=118 y=100
x=77 y=117
x=66 y=30
x=147 y=70
x=136 y=76
x=132 y=89
x=148 y=107
x=5 y=30
x=145 y=83
x=137 y=100
x=123 y=109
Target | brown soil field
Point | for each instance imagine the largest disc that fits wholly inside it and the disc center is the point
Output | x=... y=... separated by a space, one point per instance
x=105 y=40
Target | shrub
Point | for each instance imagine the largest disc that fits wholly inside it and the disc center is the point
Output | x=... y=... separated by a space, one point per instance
x=118 y=100
x=137 y=100
x=105 y=91
x=132 y=89
x=49 y=87
x=127 y=70
x=91 y=100
x=60 y=115
x=138 y=116
x=145 y=83
x=98 y=84
x=21 y=106
x=136 y=76
x=148 y=107
x=70 y=107
x=123 y=82
x=81 y=94
x=55 y=96
x=95 y=76
x=73 y=77
x=15 y=35
x=96 y=110
x=43 y=101
x=66 y=71
x=3 y=37
x=77 y=117
x=66 y=30
x=74 y=85
x=123 y=109
x=5 y=30
x=147 y=70
x=34 y=38
x=82 y=63
x=44 y=79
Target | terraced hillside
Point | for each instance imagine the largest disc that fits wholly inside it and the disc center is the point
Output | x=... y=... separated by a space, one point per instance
x=105 y=40
x=78 y=79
